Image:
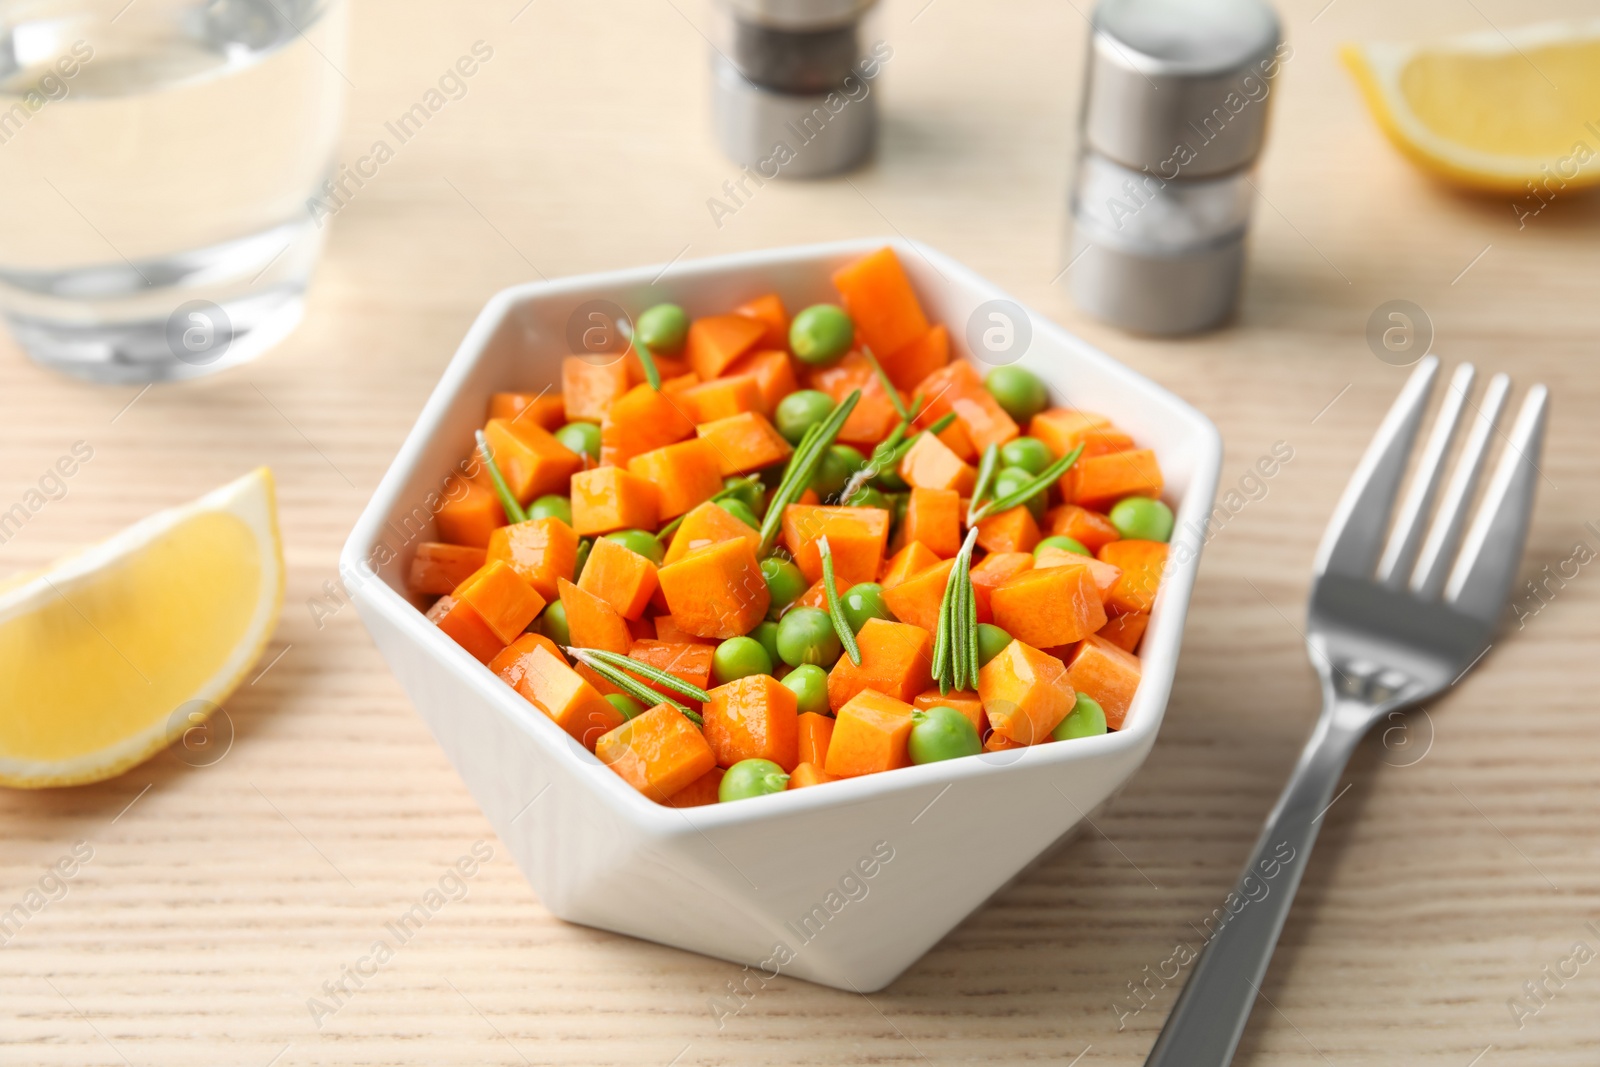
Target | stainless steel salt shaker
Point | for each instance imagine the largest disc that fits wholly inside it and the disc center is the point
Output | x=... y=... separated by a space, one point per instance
x=1176 y=95
x=793 y=85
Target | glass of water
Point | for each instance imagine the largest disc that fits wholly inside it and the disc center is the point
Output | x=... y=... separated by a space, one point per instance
x=158 y=160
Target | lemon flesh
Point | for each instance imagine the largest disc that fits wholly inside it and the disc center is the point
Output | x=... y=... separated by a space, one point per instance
x=1492 y=113
x=106 y=657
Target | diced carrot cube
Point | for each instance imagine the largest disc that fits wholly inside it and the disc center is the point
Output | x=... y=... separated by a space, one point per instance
x=871 y=735
x=506 y=602
x=769 y=311
x=1105 y=575
x=965 y=701
x=439 y=567
x=619 y=576
x=857 y=537
x=958 y=388
x=930 y=464
x=753 y=717
x=1142 y=564
x=658 y=753
x=716 y=591
x=773 y=372
x=463 y=625
x=874 y=414
x=956 y=440
x=992 y=572
x=469 y=514
x=721 y=398
x=609 y=498
x=540 y=550
x=640 y=420
x=717 y=340
x=916 y=600
x=815 y=731
x=918 y=359
x=1061 y=429
x=1108 y=675
x=809 y=774
x=643 y=629
x=684 y=474
x=896 y=660
x=670 y=633
x=915 y=558
x=532 y=461
x=545 y=409
x=1049 y=607
x=533 y=667
x=878 y=295
x=706 y=525
x=1025 y=693
x=701 y=791
x=684 y=660
x=1012 y=530
x=745 y=442
x=591 y=384
x=1125 y=631
x=440 y=609
x=1090 y=529
x=933 y=516
x=591 y=622
x=1103 y=480
x=816 y=596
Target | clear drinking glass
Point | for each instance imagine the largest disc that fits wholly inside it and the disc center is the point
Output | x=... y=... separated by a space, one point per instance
x=156 y=162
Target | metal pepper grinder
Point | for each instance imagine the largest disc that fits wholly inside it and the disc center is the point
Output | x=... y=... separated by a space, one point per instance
x=793 y=85
x=1176 y=95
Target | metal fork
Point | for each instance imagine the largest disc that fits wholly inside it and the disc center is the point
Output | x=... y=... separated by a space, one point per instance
x=1387 y=627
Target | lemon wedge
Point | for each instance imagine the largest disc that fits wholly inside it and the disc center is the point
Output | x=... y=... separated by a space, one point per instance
x=113 y=653
x=1518 y=113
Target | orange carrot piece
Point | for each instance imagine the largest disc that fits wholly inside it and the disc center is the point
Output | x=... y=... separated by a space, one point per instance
x=676 y=374
x=1025 y=693
x=463 y=625
x=721 y=398
x=874 y=414
x=816 y=596
x=753 y=717
x=870 y=735
x=774 y=318
x=809 y=774
x=685 y=660
x=878 y=295
x=1062 y=429
x=642 y=629
x=640 y=420
x=591 y=622
x=718 y=340
x=684 y=474
x=545 y=409
x=1142 y=564
x=958 y=388
x=1125 y=631
x=540 y=550
x=955 y=438
x=1106 y=674
x=933 y=516
x=670 y=633
x=716 y=591
x=1106 y=575
x=1103 y=480
x=701 y=791
x=658 y=753
x=531 y=459
x=815 y=731
x=1049 y=607
x=745 y=442
x=438 y=567
x=619 y=576
x=896 y=660
x=914 y=558
x=590 y=385
x=992 y=572
x=931 y=465
x=995 y=743
x=857 y=538
x=965 y=701
x=706 y=525
x=916 y=600
x=1090 y=529
x=469 y=514
x=915 y=361
x=533 y=667
x=774 y=374
x=1009 y=531
x=609 y=498
x=506 y=602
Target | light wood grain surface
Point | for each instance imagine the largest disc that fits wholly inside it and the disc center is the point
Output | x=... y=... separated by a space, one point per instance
x=1463 y=859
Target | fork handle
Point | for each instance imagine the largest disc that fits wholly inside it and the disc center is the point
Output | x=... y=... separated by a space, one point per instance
x=1209 y=1016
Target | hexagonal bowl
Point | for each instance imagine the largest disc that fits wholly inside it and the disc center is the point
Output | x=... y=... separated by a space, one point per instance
x=845 y=884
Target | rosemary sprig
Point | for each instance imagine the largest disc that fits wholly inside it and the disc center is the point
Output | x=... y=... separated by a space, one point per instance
x=955 y=653
x=890 y=451
x=1032 y=489
x=841 y=625
x=508 y=503
x=986 y=472
x=630 y=685
x=648 y=673
x=723 y=494
x=888 y=386
x=803 y=467
x=647 y=360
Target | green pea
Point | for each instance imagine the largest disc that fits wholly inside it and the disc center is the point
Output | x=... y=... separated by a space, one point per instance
x=1086 y=719
x=805 y=635
x=1019 y=391
x=810 y=685
x=862 y=602
x=585 y=546
x=868 y=497
x=582 y=438
x=741 y=511
x=643 y=542
x=839 y=462
x=821 y=334
x=766 y=633
x=1010 y=479
x=752 y=778
x=553 y=624
x=1029 y=453
x=748 y=492
x=784 y=581
x=739 y=657
x=799 y=410
x=1142 y=519
x=991 y=642
x=662 y=328
x=1071 y=544
x=942 y=733
x=626 y=706
x=551 y=507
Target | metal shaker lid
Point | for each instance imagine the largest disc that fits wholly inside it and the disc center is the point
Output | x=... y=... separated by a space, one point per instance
x=799 y=16
x=1181 y=86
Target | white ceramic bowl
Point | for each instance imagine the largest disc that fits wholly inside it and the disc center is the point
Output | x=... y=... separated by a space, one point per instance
x=845 y=884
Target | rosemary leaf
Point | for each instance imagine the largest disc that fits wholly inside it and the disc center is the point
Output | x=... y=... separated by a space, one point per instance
x=803 y=467
x=647 y=672
x=841 y=625
x=986 y=472
x=943 y=634
x=647 y=359
x=508 y=503
x=888 y=386
x=585 y=546
x=1032 y=489
x=631 y=686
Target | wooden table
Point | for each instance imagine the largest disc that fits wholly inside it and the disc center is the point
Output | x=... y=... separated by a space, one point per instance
x=1460 y=862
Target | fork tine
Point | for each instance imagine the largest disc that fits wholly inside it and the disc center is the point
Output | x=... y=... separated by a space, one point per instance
x=1440 y=548
x=1355 y=533
x=1482 y=577
x=1402 y=550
